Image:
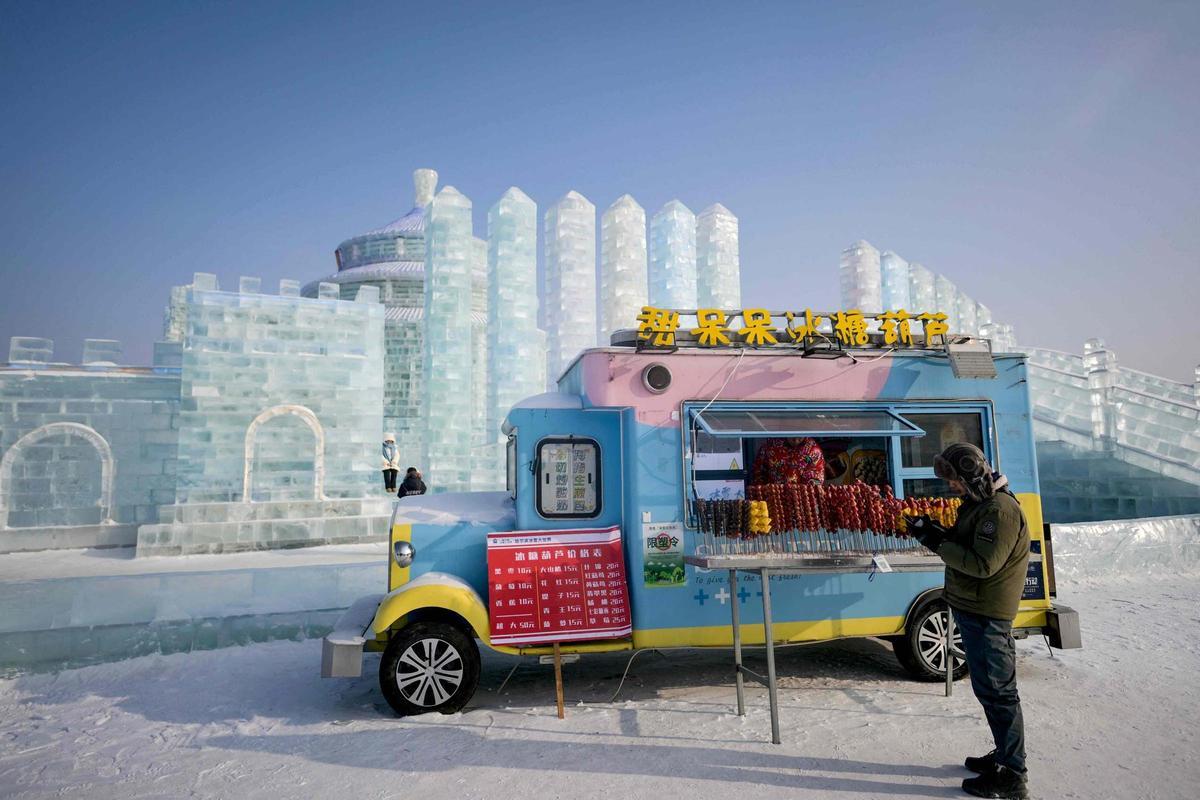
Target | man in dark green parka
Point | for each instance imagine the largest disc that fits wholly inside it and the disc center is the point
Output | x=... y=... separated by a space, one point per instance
x=986 y=555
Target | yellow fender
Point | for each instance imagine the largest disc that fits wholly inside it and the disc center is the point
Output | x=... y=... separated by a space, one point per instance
x=432 y=590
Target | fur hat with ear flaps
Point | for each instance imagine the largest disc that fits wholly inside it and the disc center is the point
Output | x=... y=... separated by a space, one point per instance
x=966 y=463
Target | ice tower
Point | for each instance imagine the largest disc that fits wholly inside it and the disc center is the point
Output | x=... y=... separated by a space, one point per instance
x=922 y=289
x=570 y=282
x=485 y=475
x=860 y=278
x=673 y=257
x=623 y=272
x=516 y=347
x=895 y=294
x=718 y=269
x=447 y=404
x=947 y=301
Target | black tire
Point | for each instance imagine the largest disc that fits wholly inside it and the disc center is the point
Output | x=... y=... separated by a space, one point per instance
x=921 y=650
x=429 y=666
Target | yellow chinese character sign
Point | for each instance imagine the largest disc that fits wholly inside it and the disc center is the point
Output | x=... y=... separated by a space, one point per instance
x=713 y=327
x=850 y=328
x=808 y=327
x=658 y=326
x=758 y=328
x=895 y=327
x=934 y=325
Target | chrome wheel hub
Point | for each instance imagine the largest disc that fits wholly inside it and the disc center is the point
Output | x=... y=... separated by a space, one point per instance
x=931 y=643
x=429 y=672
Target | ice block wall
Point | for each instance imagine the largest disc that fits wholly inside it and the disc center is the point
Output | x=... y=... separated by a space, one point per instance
x=282 y=396
x=623 y=269
x=718 y=265
x=516 y=346
x=673 y=257
x=895 y=277
x=84 y=445
x=447 y=403
x=570 y=281
x=861 y=280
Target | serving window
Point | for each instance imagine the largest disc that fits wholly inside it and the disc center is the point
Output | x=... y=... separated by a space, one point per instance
x=568 y=478
x=731 y=446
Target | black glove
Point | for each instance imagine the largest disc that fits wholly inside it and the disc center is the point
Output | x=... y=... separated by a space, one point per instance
x=927 y=532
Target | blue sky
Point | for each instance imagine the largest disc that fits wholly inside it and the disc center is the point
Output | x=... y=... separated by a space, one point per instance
x=1042 y=155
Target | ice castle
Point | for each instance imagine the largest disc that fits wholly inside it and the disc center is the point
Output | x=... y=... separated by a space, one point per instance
x=259 y=423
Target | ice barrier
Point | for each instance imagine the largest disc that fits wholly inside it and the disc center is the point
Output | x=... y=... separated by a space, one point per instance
x=1127 y=548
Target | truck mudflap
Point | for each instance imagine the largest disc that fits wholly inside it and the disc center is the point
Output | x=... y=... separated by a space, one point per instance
x=1062 y=628
x=342 y=649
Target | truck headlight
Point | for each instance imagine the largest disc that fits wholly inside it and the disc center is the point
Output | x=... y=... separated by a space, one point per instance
x=403 y=554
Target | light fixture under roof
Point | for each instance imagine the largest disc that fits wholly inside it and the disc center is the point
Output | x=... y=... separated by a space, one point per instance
x=971 y=358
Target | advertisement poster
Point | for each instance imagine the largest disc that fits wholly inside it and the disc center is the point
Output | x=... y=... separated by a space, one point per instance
x=557 y=586
x=662 y=554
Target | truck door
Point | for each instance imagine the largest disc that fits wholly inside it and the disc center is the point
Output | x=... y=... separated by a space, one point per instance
x=574 y=480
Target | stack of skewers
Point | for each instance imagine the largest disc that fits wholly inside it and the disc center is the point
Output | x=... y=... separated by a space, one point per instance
x=794 y=518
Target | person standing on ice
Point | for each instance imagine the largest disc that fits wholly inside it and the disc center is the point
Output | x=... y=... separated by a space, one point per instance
x=986 y=555
x=391 y=462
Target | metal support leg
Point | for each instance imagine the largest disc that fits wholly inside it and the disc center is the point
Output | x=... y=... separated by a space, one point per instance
x=768 y=634
x=949 y=652
x=737 y=644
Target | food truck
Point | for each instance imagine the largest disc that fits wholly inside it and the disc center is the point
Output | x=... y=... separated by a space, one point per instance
x=669 y=445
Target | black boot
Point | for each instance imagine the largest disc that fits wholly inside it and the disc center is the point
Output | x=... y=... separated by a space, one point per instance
x=1000 y=782
x=981 y=764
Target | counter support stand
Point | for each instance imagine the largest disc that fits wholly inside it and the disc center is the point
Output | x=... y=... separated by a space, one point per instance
x=768 y=634
x=737 y=644
x=949 y=659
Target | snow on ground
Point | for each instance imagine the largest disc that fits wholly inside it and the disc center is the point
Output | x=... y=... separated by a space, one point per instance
x=1114 y=720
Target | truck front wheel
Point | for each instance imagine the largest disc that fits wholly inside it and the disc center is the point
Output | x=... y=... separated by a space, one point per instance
x=429 y=666
x=922 y=648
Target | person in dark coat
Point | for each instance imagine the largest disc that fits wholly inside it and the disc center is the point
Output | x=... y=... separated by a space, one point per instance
x=412 y=483
x=987 y=556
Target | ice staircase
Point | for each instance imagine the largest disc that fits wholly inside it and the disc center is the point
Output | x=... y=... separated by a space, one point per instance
x=1112 y=443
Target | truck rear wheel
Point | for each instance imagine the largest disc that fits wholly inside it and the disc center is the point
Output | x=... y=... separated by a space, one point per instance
x=922 y=648
x=429 y=666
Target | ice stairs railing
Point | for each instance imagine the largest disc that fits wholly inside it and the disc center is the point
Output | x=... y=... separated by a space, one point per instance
x=1157 y=421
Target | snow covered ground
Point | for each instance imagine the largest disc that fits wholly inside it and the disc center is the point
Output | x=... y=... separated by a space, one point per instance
x=1114 y=720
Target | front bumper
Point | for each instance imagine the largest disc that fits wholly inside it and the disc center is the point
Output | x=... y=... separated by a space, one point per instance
x=342 y=649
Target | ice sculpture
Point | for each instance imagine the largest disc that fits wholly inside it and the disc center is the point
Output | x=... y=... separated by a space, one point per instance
x=718 y=264
x=623 y=272
x=861 y=280
x=424 y=184
x=947 y=301
x=447 y=403
x=673 y=257
x=484 y=464
x=983 y=315
x=967 y=322
x=570 y=282
x=516 y=347
x=922 y=291
x=895 y=294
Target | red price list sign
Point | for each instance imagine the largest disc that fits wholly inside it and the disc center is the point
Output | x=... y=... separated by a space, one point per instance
x=557 y=586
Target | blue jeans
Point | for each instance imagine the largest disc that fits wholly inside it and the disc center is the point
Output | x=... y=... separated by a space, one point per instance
x=992 y=660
